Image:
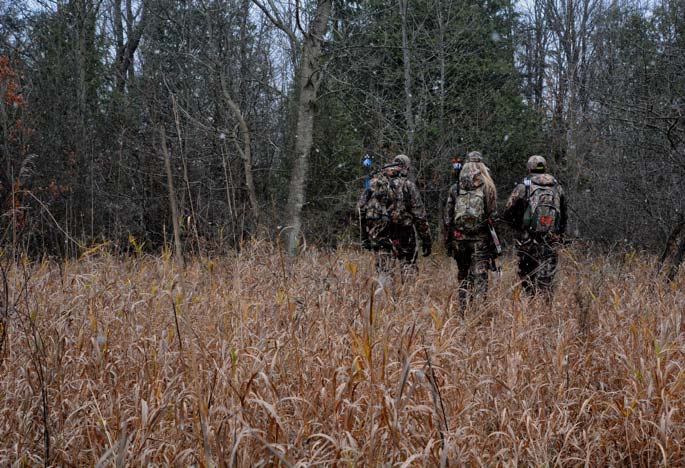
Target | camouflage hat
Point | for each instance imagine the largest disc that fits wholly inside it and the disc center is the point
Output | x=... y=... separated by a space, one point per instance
x=402 y=159
x=475 y=156
x=537 y=163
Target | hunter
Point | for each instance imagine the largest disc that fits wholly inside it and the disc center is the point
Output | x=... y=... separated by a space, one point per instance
x=471 y=206
x=537 y=210
x=390 y=212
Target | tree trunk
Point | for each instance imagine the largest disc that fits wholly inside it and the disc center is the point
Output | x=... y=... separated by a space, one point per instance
x=178 y=253
x=311 y=53
x=674 y=250
x=245 y=151
x=406 y=61
x=186 y=178
x=442 y=53
x=5 y=139
x=125 y=51
x=81 y=90
x=540 y=54
x=119 y=38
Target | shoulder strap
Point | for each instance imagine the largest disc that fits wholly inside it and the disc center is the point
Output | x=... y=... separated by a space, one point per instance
x=406 y=195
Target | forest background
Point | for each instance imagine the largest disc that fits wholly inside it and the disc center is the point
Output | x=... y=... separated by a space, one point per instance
x=264 y=111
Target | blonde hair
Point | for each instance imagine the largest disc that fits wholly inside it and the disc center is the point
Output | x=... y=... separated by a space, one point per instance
x=488 y=184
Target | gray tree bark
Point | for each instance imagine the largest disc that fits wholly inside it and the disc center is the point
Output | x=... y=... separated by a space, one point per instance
x=83 y=13
x=309 y=83
x=674 y=251
x=126 y=47
x=245 y=152
x=173 y=204
x=406 y=62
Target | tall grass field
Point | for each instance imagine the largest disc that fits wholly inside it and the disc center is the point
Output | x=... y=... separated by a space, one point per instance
x=253 y=359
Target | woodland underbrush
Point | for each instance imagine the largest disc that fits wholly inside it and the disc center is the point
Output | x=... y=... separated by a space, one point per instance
x=252 y=359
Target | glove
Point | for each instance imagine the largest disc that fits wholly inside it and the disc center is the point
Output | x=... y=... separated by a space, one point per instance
x=426 y=249
x=366 y=244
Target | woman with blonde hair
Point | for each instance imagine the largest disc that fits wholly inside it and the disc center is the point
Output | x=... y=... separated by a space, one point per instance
x=475 y=159
x=471 y=202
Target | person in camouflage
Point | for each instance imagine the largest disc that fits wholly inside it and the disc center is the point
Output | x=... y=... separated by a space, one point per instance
x=476 y=157
x=390 y=211
x=537 y=209
x=469 y=242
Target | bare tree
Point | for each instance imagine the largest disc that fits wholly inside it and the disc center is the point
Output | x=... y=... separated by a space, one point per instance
x=245 y=151
x=127 y=37
x=173 y=205
x=571 y=23
x=534 y=43
x=309 y=79
x=406 y=64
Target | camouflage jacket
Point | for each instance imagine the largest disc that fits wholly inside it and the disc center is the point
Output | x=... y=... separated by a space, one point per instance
x=518 y=202
x=408 y=212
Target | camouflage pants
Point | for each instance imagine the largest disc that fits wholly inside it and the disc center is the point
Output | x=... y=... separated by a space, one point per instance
x=393 y=243
x=537 y=266
x=473 y=261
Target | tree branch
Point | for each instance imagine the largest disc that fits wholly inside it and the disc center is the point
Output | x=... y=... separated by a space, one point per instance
x=276 y=20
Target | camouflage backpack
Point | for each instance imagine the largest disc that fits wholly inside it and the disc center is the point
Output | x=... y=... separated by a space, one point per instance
x=544 y=204
x=469 y=205
x=386 y=202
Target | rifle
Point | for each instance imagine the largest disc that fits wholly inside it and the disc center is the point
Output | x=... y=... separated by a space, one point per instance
x=363 y=234
x=496 y=243
x=457 y=165
x=493 y=235
x=366 y=163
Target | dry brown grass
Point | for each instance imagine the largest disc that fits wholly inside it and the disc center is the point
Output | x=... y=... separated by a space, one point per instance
x=298 y=366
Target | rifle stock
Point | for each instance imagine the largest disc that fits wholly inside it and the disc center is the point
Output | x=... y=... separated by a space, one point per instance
x=493 y=235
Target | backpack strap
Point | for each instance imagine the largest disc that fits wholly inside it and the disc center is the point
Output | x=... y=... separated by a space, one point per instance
x=406 y=195
x=526 y=183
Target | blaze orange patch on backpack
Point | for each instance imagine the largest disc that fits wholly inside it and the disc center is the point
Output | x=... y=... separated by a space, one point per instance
x=544 y=205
